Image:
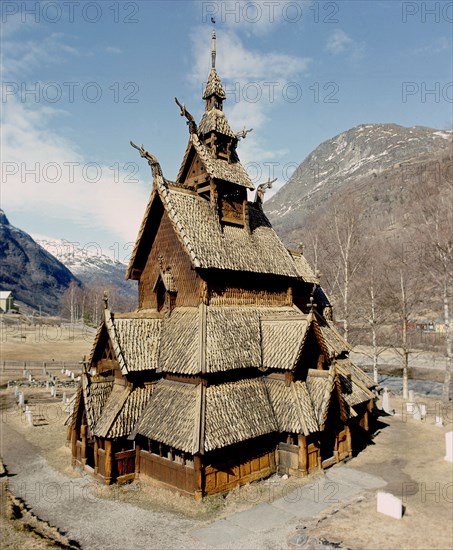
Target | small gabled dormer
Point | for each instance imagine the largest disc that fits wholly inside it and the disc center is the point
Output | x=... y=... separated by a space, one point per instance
x=165 y=290
x=232 y=203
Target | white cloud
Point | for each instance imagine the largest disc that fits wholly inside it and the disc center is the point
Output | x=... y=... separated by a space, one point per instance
x=112 y=49
x=63 y=186
x=22 y=57
x=255 y=83
x=338 y=42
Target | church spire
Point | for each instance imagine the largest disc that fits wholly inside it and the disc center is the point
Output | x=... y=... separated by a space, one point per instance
x=214 y=93
x=213 y=51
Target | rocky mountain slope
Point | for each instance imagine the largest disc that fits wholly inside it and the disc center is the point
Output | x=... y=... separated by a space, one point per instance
x=34 y=276
x=90 y=265
x=372 y=162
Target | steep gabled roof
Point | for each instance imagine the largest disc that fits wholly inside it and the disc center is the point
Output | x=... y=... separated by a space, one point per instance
x=196 y=419
x=215 y=120
x=303 y=267
x=214 y=85
x=122 y=410
x=292 y=406
x=95 y=392
x=207 y=243
x=332 y=344
x=134 y=339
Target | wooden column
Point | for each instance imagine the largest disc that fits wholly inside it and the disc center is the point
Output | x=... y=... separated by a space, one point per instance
x=74 y=446
x=83 y=436
x=137 y=460
x=349 y=440
x=198 y=465
x=108 y=461
x=96 y=457
x=303 y=453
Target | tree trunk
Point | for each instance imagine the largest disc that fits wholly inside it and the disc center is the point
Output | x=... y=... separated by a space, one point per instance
x=405 y=350
x=449 y=361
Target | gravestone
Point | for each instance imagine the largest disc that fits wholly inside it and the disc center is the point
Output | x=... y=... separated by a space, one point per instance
x=417 y=412
x=389 y=505
x=64 y=397
x=411 y=395
x=449 y=446
x=21 y=399
x=29 y=415
x=386 y=401
x=422 y=407
x=439 y=422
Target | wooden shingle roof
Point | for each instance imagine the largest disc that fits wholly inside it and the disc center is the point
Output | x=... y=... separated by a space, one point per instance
x=122 y=410
x=219 y=168
x=215 y=120
x=214 y=85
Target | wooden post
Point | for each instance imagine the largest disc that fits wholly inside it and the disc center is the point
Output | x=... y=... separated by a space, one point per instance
x=198 y=476
x=108 y=461
x=303 y=453
x=83 y=436
x=137 y=460
x=349 y=438
x=96 y=457
x=74 y=446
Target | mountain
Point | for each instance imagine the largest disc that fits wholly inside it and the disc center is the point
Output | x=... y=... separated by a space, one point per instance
x=90 y=265
x=34 y=276
x=371 y=162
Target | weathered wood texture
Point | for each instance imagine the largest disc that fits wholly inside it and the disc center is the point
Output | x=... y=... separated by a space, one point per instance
x=239 y=471
x=171 y=473
x=167 y=246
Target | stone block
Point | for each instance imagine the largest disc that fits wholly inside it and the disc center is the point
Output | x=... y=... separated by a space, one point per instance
x=389 y=505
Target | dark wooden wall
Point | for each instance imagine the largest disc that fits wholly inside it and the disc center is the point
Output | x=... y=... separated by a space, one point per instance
x=167 y=245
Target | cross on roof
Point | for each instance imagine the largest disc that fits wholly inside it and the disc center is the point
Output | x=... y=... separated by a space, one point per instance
x=312 y=305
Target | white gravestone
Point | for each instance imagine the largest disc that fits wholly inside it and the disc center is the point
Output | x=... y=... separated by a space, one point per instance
x=21 y=399
x=386 y=401
x=422 y=407
x=439 y=422
x=64 y=397
x=411 y=395
x=417 y=412
x=389 y=505
x=29 y=415
x=449 y=446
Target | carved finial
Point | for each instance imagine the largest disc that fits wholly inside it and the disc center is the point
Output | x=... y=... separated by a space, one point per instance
x=152 y=160
x=301 y=247
x=160 y=259
x=213 y=49
x=190 y=120
x=312 y=305
x=261 y=190
x=106 y=300
x=243 y=133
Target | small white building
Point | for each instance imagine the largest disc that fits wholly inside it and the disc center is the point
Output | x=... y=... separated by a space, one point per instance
x=7 y=301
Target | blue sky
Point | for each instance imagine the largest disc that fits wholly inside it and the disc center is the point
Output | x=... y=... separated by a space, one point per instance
x=81 y=79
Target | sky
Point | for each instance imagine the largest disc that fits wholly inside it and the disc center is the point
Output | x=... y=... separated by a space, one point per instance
x=80 y=79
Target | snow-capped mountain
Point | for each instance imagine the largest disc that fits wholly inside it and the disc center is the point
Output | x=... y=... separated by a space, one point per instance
x=90 y=264
x=364 y=152
x=35 y=277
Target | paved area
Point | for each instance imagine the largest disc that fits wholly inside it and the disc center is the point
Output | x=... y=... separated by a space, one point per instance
x=341 y=485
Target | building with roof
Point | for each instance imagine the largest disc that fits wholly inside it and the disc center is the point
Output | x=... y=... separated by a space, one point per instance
x=7 y=302
x=228 y=371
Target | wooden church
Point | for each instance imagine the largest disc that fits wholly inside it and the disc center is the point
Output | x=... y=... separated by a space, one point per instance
x=228 y=371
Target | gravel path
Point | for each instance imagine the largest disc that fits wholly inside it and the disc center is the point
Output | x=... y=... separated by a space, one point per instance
x=72 y=506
